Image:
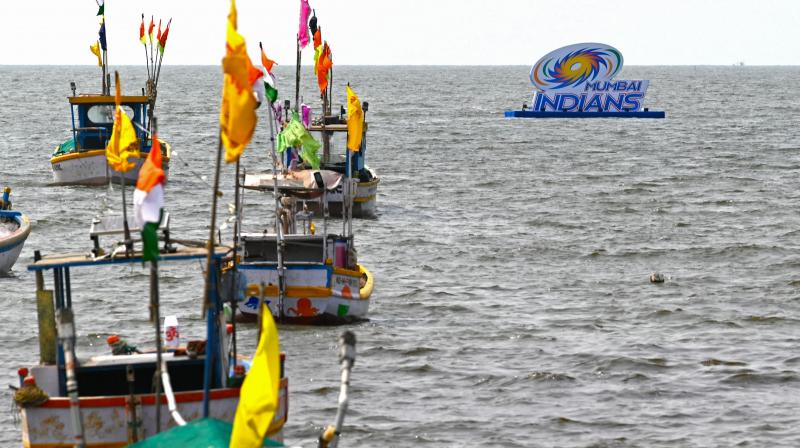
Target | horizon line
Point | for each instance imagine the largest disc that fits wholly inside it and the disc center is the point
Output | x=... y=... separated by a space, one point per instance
x=412 y=65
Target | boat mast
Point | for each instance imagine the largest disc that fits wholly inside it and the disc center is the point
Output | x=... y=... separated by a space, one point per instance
x=278 y=227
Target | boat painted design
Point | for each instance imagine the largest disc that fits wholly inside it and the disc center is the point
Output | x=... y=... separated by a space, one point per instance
x=11 y=244
x=106 y=417
x=315 y=294
x=81 y=160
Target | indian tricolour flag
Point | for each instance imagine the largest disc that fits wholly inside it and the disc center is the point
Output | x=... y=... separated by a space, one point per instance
x=270 y=87
x=148 y=200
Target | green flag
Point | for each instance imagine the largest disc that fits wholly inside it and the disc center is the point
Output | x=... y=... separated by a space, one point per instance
x=150 y=242
x=295 y=135
x=101 y=11
x=269 y=88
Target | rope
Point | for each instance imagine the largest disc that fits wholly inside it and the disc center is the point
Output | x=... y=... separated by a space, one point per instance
x=29 y=395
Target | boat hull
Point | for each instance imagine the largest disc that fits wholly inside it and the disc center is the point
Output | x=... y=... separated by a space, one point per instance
x=315 y=295
x=91 y=168
x=105 y=419
x=11 y=245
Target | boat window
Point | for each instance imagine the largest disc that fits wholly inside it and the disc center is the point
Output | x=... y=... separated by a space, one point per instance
x=104 y=113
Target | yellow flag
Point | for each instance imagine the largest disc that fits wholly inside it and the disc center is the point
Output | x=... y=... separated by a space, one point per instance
x=95 y=47
x=259 y=394
x=123 y=142
x=355 y=121
x=238 y=113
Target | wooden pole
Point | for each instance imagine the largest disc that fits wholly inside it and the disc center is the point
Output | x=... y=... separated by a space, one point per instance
x=235 y=271
x=45 y=312
x=212 y=228
x=128 y=240
x=297 y=78
x=156 y=318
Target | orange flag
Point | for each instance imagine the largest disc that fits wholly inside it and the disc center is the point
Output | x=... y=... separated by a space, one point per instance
x=265 y=61
x=324 y=65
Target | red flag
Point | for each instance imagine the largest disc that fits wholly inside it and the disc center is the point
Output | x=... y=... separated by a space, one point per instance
x=141 y=31
x=150 y=29
x=162 y=40
x=158 y=36
x=318 y=37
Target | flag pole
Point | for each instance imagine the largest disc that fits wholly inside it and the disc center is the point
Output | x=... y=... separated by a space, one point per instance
x=155 y=318
x=146 y=62
x=278 y=228
x=212 y=227
x=297 y=78
x=150 y=38
x=235 y=271
x=330 y=93
x=128 y=240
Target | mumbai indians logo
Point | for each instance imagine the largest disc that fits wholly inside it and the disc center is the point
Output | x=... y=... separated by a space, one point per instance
x=573 y=65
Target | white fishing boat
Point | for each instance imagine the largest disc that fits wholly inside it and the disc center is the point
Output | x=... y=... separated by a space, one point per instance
x=114 y=399
x=81 y=159
x=305 y=274
x=14 y=230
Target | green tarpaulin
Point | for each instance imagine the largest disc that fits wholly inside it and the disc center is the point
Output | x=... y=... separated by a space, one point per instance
x=205 y=433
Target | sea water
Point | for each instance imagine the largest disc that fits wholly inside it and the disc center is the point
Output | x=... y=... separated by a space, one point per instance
x=512 y=302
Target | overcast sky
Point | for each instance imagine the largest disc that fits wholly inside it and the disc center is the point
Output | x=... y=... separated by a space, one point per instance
x=427 y=32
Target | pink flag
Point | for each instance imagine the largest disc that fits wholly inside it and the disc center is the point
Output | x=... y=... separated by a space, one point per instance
x=306 y=111
x=302 y=34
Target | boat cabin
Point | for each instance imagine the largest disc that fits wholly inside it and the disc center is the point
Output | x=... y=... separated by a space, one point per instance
x=93 y=121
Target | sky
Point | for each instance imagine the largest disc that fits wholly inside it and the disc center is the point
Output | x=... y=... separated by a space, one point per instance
x=414 y=32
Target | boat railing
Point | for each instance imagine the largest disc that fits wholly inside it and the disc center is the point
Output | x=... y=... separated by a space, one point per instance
x=114 y=225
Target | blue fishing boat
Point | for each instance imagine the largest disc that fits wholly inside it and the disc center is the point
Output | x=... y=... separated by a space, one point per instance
x=14 y=230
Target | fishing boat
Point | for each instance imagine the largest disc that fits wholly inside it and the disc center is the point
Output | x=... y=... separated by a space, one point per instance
x=306 y=275
x=116 y=399
x=14 y=230
x=218 y=434
x=332 y=131
x=81 y=159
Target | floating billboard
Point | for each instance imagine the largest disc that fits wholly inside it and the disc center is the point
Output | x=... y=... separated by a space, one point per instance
x=578 y=81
